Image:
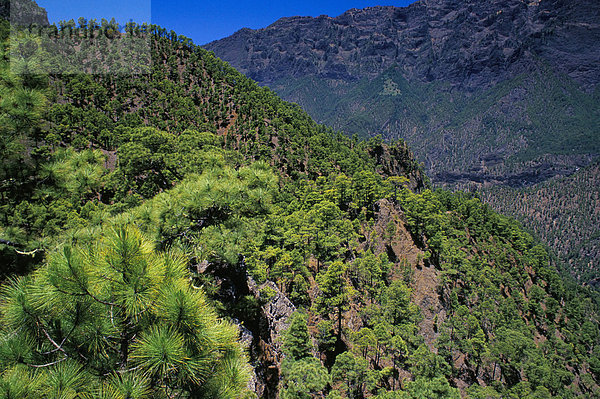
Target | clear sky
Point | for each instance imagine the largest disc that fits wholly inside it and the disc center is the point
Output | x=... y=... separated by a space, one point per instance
x=203 y=20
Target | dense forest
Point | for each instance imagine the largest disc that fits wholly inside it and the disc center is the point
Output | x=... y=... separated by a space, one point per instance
x=565 y=213
x=185 y=233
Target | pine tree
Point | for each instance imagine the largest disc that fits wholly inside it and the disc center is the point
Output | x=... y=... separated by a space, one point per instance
x=116 y=318
x=303 y=375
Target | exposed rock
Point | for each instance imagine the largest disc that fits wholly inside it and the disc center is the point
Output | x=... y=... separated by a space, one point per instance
x=246 y=336
x=266 y=348
x=202 y=266
x=469 y=43
x=402 y=249
x=398 y=160
x=23 y=12
x=260 y=333
x=276 y=313
x=247 y=339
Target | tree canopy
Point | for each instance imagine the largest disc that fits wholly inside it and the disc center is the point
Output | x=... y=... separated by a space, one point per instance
x=115 y=319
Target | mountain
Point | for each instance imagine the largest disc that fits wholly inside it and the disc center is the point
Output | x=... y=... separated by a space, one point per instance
x=468 y=44
x=493 y=96
x=135 y=207
x=482 y=91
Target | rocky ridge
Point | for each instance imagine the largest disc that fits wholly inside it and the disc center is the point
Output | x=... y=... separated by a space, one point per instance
x=485 y=93
x=470 y=44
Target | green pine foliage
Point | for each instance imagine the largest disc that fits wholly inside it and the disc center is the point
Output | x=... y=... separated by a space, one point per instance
x=115 y=318
x=149 y=186
x=303 y=375
x=565 y=213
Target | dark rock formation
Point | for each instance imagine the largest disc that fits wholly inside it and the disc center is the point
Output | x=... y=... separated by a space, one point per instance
x=267 y=349
x=396 y=159
x=276 y=313
x=23 y=12
x=260 y=331
x=468 y=43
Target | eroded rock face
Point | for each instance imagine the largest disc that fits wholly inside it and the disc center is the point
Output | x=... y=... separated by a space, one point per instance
x=261 y=332
x=275 y=312
x=247 y=339
x=23 y=12
x=469 y=43
x=265 y=348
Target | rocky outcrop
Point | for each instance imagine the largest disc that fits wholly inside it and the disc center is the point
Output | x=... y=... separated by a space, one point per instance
x=23 y=12
x=483 y=92
x=276 y=311
x=260 y=330
x=469 y=43
x=396 y=159
x=406 y=254
x=267 y=355
x=247 y=339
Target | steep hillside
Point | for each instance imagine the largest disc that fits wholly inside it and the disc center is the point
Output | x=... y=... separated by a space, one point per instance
x=487 y=94
x=482 y=91
x=565 y=212
x=344 y=274
x=470 y=44
x=520 y=132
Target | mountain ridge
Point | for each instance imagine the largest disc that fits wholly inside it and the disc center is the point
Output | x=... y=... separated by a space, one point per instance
x=23 y=12
x=469 y=44
x=516 y=80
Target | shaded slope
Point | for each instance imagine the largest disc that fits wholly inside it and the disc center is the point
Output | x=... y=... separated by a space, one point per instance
x=564 y=213
x=482 y=91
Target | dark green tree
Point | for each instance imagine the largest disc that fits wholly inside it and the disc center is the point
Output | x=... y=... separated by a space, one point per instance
x=303 y=375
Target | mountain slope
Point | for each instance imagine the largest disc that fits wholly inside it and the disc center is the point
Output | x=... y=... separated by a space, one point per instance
x=487 y=94
x=396 y=290
x=564 y=213
x=23 y=12
x=488 y=74
x=466 y=43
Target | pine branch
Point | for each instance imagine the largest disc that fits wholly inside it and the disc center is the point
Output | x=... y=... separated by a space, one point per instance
x=48 y=364
x=53 y=342
x=30 y=253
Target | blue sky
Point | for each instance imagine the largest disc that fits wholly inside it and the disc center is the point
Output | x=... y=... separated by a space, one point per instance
x=202 y=20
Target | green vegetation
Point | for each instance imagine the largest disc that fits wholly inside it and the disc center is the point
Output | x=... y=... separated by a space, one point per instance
x=514 y=123
x=115 y=319
x=145 y=187
x=303 y=376
x=565 y=213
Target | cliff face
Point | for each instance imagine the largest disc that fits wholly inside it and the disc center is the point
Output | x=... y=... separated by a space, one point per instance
x=23 y=12
x=471 y=44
